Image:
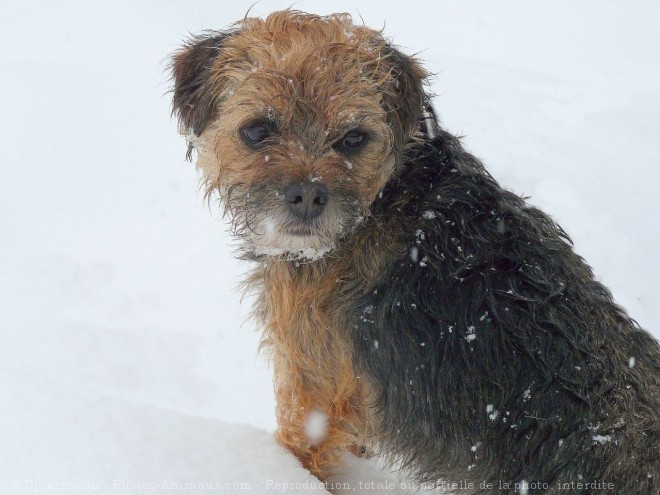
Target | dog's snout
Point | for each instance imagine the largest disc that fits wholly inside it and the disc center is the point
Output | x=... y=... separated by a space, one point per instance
x=306 y=200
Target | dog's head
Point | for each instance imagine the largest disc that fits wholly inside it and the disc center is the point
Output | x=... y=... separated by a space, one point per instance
x=298 y=121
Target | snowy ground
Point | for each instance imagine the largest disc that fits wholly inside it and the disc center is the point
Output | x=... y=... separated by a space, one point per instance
x=126 y=361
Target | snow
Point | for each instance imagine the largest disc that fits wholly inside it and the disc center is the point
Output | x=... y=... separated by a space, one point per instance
x=601 y=438
x=127 y=361
x=414 y=254
x=316 y=426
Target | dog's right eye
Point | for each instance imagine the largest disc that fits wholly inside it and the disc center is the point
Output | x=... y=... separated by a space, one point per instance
x=256 y=134
x=352 y=142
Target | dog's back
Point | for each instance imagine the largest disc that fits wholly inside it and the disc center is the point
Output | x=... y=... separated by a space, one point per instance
x=499 y=356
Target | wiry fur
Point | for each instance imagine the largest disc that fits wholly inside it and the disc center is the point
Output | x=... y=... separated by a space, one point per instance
x=494 y=334
x=429 y=313
x=313 y=93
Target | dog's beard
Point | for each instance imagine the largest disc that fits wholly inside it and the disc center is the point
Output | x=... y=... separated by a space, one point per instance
x=266 y=228
x=307 y=242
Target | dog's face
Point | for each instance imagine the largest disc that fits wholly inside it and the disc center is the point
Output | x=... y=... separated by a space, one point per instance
x=298 y=122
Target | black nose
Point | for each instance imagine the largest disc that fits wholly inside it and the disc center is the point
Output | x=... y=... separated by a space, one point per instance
x=306 y=200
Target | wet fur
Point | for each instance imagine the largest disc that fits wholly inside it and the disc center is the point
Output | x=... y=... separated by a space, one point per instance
x=498 y=310
x=452 y=327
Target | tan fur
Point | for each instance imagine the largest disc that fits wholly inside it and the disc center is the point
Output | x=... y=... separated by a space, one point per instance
x=309 y=345
x=315 y=78
x=317 y=92
x=313 y=368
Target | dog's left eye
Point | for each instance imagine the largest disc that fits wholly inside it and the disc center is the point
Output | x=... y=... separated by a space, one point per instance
x=256 y=134
x=352 y=142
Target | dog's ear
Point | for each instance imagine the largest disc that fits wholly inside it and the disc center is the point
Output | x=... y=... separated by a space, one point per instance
x=193 y=102
x=404 y=97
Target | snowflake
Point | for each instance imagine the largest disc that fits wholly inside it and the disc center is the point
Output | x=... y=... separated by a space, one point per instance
x=602 y=439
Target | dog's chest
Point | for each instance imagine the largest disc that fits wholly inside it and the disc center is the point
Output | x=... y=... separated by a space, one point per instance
x=307 y=313
x=302 y=314
x=308 y=309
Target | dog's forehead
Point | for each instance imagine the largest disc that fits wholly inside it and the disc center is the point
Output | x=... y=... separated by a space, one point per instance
x=294 y=96
x=287 y=29
x=329 y=71
x=305 y=47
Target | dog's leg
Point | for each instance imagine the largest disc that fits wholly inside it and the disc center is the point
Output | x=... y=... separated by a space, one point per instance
x=318 y=422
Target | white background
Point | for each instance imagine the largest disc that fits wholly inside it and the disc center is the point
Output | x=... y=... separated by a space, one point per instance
x=125 y=352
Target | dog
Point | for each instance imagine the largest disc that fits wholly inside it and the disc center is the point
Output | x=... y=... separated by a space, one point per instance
x=412 y=307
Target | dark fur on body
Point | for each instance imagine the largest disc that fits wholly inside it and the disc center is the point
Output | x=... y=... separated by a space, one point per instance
x=495 y=308
x=445 y=322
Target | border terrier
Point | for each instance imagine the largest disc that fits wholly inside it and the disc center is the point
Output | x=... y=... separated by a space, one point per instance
x=412 y=307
